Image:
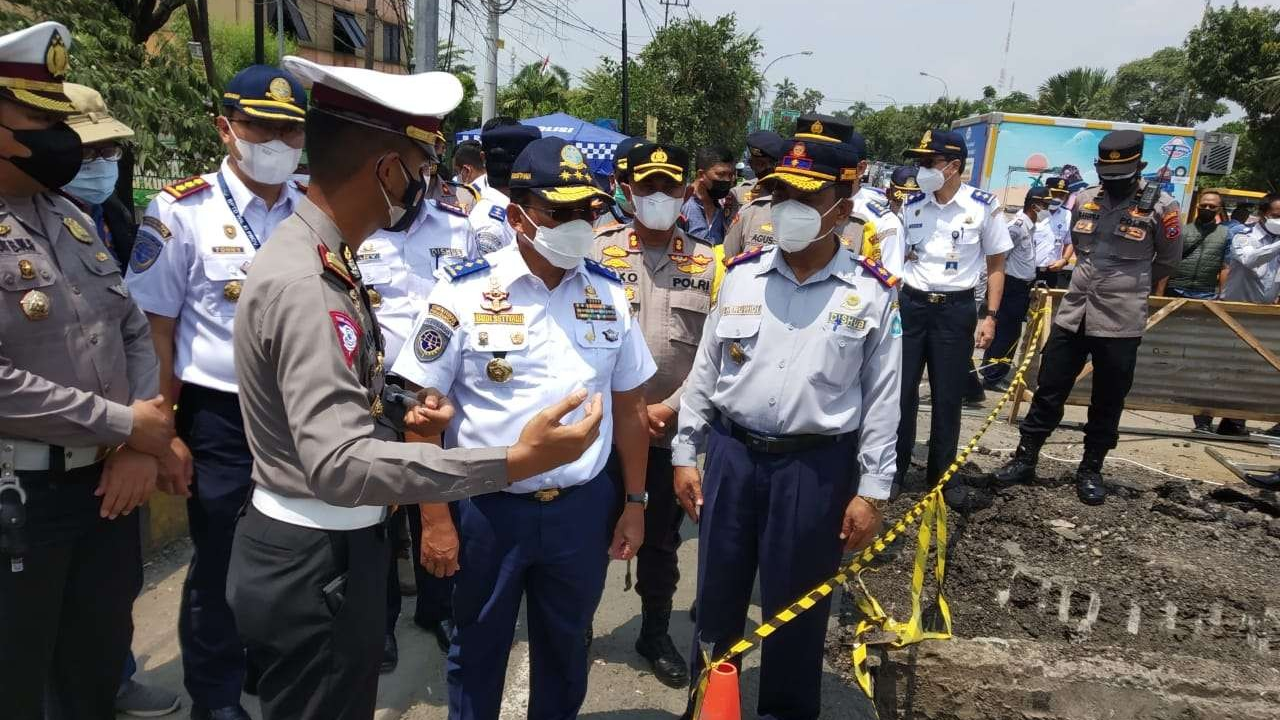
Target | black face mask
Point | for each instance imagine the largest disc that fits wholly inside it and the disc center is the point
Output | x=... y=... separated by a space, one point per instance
x=1206 y=216
x=718 y=189
x=55 y=154
x=415 y=192
x=1120 y=187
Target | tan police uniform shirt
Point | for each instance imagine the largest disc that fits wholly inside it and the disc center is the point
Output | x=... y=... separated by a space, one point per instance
x=1121 y=252
x=669 y=290
x=310 y=368
x=744 y=193
x=75 y=350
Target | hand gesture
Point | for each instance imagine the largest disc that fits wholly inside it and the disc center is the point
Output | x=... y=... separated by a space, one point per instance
x=176 y=467
x=862 y=522
x=986 y=332
x=545 y=443
x=688 y=487
x=431 y=415
x=128 y=479
x=440 y=545
x=152 y=427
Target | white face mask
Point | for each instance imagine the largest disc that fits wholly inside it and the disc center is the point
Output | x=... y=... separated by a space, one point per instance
x=1272 y=225
x=796 y=225
x=658 y=211
x=564 y=245
x=930 y=180
x=269 y=163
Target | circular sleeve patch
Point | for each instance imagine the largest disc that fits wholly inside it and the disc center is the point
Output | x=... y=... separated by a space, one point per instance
x=146 y=250
x=432 y=339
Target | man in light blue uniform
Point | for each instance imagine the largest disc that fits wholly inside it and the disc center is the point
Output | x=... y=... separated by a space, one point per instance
x=502 y=144
x=524 y=323
x=1054 y=249
x=794 y=398
x=189 y=262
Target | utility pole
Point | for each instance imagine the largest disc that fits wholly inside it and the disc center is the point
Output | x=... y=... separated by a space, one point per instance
x=259 y=30
x=370 y=29
x=279 y=31
x=489 y=104
x=426 y=34
x=666 y=8
x=626 y=90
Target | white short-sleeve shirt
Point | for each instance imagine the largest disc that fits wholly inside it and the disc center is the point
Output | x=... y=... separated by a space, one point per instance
x=947 y=245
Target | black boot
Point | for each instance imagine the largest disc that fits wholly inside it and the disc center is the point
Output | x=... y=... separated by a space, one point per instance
x=1022 y=468
x=1089 y=486
x=656 y=646
x=1268 y=481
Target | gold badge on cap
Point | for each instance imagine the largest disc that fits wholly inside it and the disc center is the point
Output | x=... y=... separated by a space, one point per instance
x=499 y=370
x=229 y=231
x=816 y=128
x=55 y=57
x=279 y=90
x=231 y=290
x=572 y=156
x=77 y=230
x=35 y=305
x=26 y=269
x=1115 y=155
x=658 y=156
x=928 y=138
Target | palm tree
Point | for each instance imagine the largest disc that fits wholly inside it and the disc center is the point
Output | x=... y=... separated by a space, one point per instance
x=535 y=91
x=1078 y=92
x=1269 y=92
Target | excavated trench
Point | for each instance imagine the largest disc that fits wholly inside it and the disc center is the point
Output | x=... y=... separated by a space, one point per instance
x=1161 y=604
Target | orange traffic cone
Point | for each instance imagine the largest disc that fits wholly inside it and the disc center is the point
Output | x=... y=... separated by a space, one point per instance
x=722 y=699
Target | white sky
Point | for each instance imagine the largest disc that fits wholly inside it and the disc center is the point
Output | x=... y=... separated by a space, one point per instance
x=863 y=50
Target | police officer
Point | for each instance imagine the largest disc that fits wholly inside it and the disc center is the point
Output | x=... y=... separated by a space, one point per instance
x=1020 y=273
x=902 y=185
x=502 y=139
x=505 y=334
x=79 y=436
x=1127 y=235
x=197 y=240
x=953 y=231
x=667 y=278
x=764 y=147
x=326 y=458
x=620 y=211
x=1053 y=249
x=793 y=396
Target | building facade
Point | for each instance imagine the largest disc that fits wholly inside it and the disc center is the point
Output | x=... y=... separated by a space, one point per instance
x=332 y=32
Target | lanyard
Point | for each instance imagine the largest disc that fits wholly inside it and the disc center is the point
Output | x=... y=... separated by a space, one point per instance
x=235 y=210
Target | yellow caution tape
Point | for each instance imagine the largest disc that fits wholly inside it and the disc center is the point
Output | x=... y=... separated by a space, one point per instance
x=932 y=511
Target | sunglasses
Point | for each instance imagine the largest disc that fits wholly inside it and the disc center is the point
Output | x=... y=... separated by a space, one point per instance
x=106 y=152
x=569 y=214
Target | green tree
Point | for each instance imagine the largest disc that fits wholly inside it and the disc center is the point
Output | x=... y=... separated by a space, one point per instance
x=890 y=131
x=855 y=113
x=233 y=46
x=161 y=93
x=534 y=92
x=1015 y=102
x=1077 y=93
x=467 y=114
x=1157 y=90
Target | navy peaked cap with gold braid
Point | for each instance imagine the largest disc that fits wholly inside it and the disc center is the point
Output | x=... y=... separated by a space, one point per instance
x=264 y=92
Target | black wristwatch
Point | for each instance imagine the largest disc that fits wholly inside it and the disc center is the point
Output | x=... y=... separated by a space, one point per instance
x=641 y=499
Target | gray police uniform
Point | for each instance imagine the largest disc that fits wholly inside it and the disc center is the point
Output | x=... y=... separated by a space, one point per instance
x=74 y=353
x=1254 y=262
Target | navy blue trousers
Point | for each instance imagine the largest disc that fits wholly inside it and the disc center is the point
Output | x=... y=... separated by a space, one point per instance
x=554 y=556
x=780 y=514
x=1013 y=310
x=213 y=658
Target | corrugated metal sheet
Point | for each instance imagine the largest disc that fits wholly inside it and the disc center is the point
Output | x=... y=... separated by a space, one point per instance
x=1191 y=361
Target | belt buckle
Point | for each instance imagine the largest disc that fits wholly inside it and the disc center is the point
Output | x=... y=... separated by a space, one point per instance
x=937 y=298
x=546 y=495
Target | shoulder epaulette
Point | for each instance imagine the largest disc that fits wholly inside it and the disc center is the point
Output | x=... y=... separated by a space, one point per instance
x=497 y=213
x=879 y=209
x=744 y=256
x=450 y=208
x=611 y=228
x=598 y=269
x=334 y=265
x=460 y=188
x=462 y=268
x=187 y=188
x=914 y=198
x=880 y=272
x=878 y=191
x=983 y=196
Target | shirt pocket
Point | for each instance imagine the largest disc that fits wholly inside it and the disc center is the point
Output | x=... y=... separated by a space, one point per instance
x=492 y=351
x=839 y=352
x=598 y=344
x=14 y=322
x=221 y=270
x=1133 y=237
x=738 y=336
x=688 y=315
x=966 y=233
x=375 y=272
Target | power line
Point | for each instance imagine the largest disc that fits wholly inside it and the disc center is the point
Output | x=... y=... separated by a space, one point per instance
x=644 y=10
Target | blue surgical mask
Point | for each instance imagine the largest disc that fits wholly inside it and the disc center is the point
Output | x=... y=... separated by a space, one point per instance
x=95 y=182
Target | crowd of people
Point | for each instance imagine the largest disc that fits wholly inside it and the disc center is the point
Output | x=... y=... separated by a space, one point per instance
x=514 y=367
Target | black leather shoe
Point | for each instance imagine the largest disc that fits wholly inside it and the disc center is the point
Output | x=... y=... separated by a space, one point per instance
x=390 y=655
x=1089 y=487
x=666 y=661
x=1022 y=467
x=1233 y=428
x=234 y=712
x=441 y=630
x=1269 y=481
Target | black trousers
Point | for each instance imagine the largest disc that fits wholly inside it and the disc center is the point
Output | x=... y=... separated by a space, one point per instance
x=938 y=336
x=1051 y=278
x=1013 y=311
x=309 y=605
x=1063 y=358
x=213 y=659
x=66 y=618
x=657 y=566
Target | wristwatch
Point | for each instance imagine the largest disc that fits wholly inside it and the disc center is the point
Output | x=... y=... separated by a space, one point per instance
x=641 y=499
x=879 y=505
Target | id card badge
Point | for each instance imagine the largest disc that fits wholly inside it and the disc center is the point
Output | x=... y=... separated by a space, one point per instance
x=952 y=265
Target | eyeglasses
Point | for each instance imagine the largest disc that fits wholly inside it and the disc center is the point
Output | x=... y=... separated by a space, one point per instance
x=929 y=162
x=272 y=130
x=111 y=151
x=569 y=214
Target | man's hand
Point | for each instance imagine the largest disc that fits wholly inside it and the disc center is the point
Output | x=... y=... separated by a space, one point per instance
x=862 y=522
x=660 y=417
x=628 y=534
x=152 y=426
x=128 y=479
x=176 y=467
x=986 y=332
x=431 y=415
x=688 y=487
x=545 y=443
x=439 y=554
x=1057 y=264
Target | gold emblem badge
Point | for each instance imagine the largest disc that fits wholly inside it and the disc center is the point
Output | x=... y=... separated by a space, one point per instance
x=590 y=291
x=1115 y=155
x=631 y=293
x=517 y=338
x=852 y=301
x=375 y=297
x=101 y=257
x=816 y=127
x=483 y=339
x=590 y=336
x=570 y=155
x=658 y=156
x=495 y=300
x=375 y=408
x=55 y=57
x=4 y=230
x=77 y=230
x=279 y=90
x=26 y=269
x=928 y=138
x=499 y=370
x=231 y=290
x=617 y=264
x=229 y=231
x=35 y=305
x=614 y=251
x=737 y=353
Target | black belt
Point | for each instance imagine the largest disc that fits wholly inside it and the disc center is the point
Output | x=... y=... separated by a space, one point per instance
x=936 y=298
x=548 y=495
x=781 y=444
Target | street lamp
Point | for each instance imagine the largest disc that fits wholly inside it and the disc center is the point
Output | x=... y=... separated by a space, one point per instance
x=765 y=72
x=889 y=97
x=946 y=93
